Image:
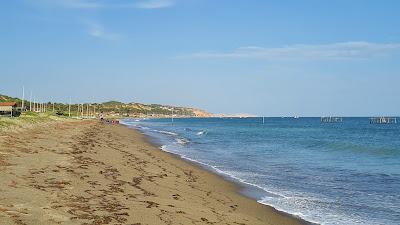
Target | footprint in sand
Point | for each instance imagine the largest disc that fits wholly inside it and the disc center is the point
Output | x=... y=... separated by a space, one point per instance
x=176 y=196
x=151 y=204
x=233 y=207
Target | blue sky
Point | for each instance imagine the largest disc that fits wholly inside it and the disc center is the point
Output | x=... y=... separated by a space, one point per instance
x=272 y=58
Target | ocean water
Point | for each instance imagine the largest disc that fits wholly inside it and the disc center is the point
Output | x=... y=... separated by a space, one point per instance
x=340 y=173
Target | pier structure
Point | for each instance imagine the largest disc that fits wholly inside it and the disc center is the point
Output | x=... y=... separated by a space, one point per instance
x=382 y=120
x=331 y=119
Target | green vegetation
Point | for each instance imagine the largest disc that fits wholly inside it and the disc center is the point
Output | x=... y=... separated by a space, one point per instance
x=27 y=119
x=117 y=108
x=4 y=98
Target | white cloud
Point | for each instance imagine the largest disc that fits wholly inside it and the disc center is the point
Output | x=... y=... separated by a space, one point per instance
x=97 y=30
x=107 y=4
x=335 y=51
x=69 y=4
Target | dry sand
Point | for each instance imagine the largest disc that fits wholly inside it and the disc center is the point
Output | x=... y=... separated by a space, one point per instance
x=85 y=172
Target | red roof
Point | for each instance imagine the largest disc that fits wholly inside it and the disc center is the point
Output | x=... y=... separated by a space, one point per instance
x=8 y=104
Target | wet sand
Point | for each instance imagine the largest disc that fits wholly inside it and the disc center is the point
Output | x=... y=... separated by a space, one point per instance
x=85 y=172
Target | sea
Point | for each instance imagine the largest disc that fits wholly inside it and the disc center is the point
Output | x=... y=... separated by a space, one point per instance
x=325 y=173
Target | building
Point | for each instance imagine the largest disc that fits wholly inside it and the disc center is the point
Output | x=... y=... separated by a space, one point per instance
x=8 y=109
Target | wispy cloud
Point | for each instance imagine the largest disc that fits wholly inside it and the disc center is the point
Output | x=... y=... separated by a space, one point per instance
x=155 y=4
x=97 y=30
x=108 y=4
x=69 y=4
x=335 y=51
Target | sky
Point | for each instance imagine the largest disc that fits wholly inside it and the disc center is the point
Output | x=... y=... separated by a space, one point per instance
x=263 y=57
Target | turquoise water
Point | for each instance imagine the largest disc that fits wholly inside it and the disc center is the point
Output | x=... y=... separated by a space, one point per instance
x=342 y=173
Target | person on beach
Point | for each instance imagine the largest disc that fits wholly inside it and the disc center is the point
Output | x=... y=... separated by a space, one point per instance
x=101 y=116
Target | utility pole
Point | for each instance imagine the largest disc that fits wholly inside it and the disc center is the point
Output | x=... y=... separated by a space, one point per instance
x=23 y=98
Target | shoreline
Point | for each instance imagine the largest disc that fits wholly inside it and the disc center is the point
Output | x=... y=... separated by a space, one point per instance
x=86 y=172
x=239 y=186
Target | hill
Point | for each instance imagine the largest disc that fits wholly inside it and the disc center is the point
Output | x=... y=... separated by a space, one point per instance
x=117 y=108
x=4 y=98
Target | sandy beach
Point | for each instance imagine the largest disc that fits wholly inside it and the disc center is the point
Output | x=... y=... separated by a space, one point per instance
x=86 y=172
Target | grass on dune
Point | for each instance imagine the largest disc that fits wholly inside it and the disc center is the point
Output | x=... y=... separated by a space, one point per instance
x=27 y=119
